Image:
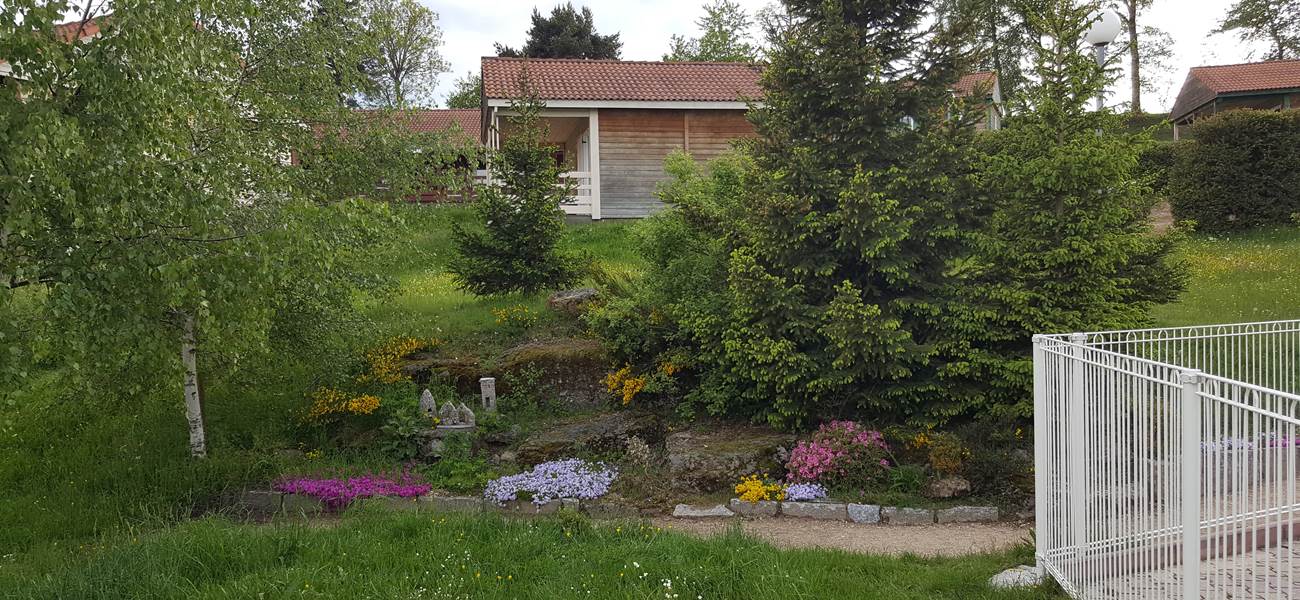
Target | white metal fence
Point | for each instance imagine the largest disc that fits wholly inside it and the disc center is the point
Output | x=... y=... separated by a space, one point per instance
x=1166 y=461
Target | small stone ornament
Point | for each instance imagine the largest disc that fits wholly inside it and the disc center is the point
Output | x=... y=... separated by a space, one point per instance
x=428 y=407
x=488 y=390
x=448 y=415
x=466 y=415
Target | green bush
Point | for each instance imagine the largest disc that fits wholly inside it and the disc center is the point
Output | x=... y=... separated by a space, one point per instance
x=1155 y=164
x=1239 y=169
x=517 y=246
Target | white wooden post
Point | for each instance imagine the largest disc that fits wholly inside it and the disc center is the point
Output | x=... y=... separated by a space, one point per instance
x=593 y=124
x=1078 y=429
x=1040 y=452
x=1191 y=480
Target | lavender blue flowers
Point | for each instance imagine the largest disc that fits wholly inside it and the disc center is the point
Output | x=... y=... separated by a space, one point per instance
x=799 y=492
x=569 y=478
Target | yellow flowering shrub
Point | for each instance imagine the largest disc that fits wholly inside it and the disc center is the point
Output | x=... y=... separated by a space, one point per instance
x=623 y=382
x=327 y=403
x=752 y=488
x=668 y=368
x=947 y=453
x=384 y=361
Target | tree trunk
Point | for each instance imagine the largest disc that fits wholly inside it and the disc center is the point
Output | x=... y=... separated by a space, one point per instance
x=193 y=402
x=1135 y=61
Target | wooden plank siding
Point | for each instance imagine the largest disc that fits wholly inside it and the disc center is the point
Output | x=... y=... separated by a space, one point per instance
x=634 y=143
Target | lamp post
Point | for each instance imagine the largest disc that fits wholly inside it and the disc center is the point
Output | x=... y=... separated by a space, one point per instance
x=1106 y=26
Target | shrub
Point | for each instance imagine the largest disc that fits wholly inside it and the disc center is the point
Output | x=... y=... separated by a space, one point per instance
x=1239 y=169
x=1156 y=164
x=841 y=453
x=516 y=246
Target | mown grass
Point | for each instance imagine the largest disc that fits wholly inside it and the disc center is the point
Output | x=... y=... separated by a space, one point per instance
x=1246 y=277
x=381 y=554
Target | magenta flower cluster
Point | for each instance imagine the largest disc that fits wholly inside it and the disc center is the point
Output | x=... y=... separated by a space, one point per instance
x=838 y=449
x=338 y=492
x=569 y=478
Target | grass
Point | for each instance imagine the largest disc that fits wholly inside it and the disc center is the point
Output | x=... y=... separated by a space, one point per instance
x=373 y=553
x=1243 y=278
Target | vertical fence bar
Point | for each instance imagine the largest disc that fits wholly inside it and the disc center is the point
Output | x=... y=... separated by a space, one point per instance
x=1191 y=483
x=1040 y=454
x=1078 y=431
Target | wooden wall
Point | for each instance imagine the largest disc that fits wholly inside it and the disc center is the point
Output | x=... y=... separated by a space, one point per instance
x=634 y=143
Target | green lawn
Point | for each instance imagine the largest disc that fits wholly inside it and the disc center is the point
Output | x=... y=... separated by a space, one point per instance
x=382 y=554
x=1244 y=278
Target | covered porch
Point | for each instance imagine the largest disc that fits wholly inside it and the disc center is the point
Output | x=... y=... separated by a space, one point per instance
x=575 y=134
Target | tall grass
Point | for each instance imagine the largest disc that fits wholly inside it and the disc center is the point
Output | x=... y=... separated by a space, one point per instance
x=1247 y=277
x=380 y=554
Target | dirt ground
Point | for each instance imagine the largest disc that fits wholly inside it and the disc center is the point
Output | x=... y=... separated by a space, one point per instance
x=922 y=540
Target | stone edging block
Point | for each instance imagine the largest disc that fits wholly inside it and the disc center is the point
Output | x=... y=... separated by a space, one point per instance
x=864 y=513
x=968 y=514
x=826 y=511
x=686 y=511
x=894 y=515
x=762 y=508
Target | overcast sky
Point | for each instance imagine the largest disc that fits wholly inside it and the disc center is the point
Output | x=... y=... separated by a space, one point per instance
x=470 y=27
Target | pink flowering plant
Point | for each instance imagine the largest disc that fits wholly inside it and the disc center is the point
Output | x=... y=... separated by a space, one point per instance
x=339 y=491
x=840 y=453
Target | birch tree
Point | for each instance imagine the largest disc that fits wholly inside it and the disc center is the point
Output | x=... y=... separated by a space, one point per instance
x=407 y=60
x=1276 y=22
x=161 y=183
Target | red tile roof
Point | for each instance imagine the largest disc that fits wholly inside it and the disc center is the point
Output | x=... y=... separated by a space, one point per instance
x=981 y=81
x=577 y=79
x=647 y=81
x=441 y=119
x=1207 y=83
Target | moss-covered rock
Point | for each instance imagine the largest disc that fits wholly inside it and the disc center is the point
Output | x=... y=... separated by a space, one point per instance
x=592 y=433
x=573 y=368
x=715 y=460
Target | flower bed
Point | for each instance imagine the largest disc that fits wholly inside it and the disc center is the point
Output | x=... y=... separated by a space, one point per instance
x=568 y=478
x=336 y=493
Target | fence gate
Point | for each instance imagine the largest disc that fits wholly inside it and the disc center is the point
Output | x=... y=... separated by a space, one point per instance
x=1165 y=461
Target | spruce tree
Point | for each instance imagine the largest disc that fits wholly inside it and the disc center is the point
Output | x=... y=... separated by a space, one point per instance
x=1068 y=246
x=857 y=218
x=516 y=246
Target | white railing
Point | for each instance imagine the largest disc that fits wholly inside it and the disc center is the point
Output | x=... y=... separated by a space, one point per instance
x=578 y=183
x=1166 y=461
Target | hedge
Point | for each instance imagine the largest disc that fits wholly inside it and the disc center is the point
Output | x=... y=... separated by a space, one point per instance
x=1240 y=169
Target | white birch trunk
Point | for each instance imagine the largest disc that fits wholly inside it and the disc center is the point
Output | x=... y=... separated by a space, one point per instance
x=193 y=403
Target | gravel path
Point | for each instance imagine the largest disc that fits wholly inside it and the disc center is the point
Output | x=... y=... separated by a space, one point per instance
x=921 y=540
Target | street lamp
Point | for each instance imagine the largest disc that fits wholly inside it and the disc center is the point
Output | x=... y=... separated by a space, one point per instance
x=1106 y=26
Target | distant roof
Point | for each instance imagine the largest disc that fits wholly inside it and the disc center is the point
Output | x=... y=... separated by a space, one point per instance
x=981 y=81
x=440 y=119
x=606 y=80
x=87 y=28
x=1207 y=83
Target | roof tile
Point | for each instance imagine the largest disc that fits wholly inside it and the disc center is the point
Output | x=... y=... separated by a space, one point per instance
x=604 y=80
x=1207 y=83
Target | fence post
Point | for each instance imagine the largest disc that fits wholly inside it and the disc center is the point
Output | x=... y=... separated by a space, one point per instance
x=1040 y=455
x=1076 y=424
x=1191 y=482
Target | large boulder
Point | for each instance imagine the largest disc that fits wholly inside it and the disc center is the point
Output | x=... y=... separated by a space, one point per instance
x=947 y=487
x=461 y=372
x=573 y=368
x=716 y=460
x=603 y=432
x=572 y=302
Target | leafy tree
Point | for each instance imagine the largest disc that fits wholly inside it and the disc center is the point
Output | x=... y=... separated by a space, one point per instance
x=567 y=33
x=407 y=60
x=1274 y=21
x=836 y=293
x=467 y=92
x=725 y=36
x=148 y=192
x=1068 y=245
x=1150 y=50
x=998 y=39
x=516 y=246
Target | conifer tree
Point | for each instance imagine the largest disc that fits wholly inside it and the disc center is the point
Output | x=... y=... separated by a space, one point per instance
x=838 y=297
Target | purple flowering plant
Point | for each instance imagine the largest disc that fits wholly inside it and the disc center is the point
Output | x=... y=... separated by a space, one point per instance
x=341 y=490
x=568 y=478
x=840 y=453
x=803 y=492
